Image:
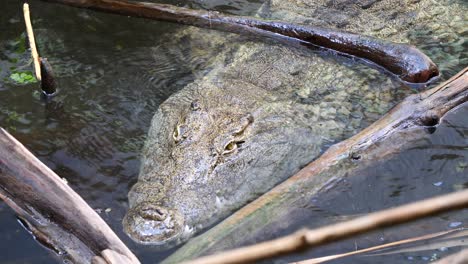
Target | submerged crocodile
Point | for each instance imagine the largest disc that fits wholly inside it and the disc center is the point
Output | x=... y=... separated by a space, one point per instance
x=261 y=114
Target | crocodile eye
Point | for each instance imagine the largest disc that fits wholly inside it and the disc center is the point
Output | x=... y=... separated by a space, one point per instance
x=230 y=147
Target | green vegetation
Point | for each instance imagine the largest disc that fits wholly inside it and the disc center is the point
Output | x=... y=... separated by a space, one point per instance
x=19 y=44
x=23 y=77
x=19 y=59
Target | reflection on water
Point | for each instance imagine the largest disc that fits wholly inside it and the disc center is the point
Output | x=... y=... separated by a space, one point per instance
x=113 y=73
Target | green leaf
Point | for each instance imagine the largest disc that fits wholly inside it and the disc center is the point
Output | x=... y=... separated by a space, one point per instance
x=23 y=77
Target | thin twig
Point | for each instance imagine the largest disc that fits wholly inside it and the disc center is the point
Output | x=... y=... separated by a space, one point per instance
x=311 y=238
x=380 y=247
x=32 y=42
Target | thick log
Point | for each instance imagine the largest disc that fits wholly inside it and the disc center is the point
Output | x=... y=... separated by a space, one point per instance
x=402 y=60
x=56 y=215
x=402 y=125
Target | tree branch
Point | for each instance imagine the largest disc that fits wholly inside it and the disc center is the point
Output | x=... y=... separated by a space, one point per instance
x=405 y=61
x=57 y=216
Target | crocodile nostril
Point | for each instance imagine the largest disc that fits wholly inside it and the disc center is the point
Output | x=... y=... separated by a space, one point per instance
x=148 y=223
x=159 y=212
x=153 y=213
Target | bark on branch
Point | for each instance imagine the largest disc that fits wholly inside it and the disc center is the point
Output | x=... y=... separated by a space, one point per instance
x=399 y=127
x=405 y=61
x=57 y=216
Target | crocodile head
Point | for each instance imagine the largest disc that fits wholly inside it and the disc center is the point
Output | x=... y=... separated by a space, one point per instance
x=205 y=158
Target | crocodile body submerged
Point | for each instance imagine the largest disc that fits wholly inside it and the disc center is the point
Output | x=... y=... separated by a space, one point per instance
x=261 y=114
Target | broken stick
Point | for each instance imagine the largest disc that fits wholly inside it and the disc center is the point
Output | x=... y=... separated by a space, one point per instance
x=32 y=42
x=42 y=68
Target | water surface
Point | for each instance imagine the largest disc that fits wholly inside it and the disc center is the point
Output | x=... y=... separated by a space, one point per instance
x=113 y=73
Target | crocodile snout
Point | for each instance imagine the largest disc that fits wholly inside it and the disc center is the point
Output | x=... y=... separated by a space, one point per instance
x=153 y=224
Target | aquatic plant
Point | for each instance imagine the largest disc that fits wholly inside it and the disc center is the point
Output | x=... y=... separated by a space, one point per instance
x=23 y=77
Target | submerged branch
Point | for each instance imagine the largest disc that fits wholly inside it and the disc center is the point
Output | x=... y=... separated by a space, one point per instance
x=56 y=215
x=405 y=61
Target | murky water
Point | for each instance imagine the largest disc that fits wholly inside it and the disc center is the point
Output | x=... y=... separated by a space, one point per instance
x=115 y=71
x=437 y=164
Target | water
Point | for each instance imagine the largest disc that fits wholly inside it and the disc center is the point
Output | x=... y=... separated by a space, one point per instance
x=437 y=164
x=113 y=73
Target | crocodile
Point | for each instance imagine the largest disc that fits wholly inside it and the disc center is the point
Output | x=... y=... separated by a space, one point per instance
x=264 y=111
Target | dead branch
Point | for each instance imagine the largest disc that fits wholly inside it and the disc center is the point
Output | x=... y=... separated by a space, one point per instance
x=403 y=60
x=42 y=68
x=32 y=42
x=57 y=216
x=391 y=134
x=405 y=242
